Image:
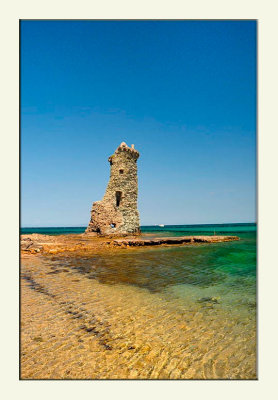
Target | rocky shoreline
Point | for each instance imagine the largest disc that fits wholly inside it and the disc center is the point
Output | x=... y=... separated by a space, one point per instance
x=74 y=326
x=37 y=243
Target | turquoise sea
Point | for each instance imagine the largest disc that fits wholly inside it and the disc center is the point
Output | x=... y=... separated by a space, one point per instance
x=209 y=287
x=232 y=264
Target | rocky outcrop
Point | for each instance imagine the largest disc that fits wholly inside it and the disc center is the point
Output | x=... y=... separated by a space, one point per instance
x=82 y=244
x=30 y=245
x=116 y=213
x=173 y=240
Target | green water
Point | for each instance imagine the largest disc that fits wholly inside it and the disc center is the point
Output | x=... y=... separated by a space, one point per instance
x=226 y=270
x=198 y=300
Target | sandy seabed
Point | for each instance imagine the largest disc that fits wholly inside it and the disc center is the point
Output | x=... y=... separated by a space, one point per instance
x=73 y=327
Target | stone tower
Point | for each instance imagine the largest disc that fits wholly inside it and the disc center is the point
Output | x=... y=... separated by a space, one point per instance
x=117 y=212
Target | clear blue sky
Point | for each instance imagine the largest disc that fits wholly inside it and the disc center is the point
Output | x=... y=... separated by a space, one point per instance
x=184 y=92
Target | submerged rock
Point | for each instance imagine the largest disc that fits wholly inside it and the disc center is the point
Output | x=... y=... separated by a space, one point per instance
x=209 y=300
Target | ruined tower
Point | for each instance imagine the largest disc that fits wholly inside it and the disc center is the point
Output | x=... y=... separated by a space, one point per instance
x=117 y=212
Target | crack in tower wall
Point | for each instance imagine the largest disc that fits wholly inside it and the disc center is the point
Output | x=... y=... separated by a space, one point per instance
x=117 y=213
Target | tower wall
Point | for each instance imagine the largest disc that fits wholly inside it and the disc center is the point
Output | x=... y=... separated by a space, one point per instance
x=117 y=212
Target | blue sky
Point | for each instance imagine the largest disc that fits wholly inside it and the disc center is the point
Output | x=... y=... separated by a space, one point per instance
x=184 y=92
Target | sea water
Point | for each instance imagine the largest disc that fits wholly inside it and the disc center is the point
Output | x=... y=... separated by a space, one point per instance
x=225 y=269
x=210 y=286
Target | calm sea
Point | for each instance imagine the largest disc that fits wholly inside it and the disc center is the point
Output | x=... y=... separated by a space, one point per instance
x=211 y=286
x=227 y=266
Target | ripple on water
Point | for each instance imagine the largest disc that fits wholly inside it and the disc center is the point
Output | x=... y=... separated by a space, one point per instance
x=197 y=303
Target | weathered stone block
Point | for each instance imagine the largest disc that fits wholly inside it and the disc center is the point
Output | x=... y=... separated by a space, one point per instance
x=116 y=213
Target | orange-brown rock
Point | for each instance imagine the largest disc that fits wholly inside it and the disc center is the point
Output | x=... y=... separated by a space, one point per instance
x=37 y=244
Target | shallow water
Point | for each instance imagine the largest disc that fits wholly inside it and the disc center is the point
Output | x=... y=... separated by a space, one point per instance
x=227 y=269
x=211 y=288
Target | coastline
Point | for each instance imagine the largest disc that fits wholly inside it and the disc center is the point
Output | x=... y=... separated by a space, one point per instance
x=74 y=326
x=47 y=244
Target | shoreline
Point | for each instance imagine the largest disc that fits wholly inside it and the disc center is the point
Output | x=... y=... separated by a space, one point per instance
x=77 y=326
x=50 y=244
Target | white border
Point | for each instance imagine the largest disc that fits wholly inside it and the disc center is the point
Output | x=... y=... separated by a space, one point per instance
x=266 y=13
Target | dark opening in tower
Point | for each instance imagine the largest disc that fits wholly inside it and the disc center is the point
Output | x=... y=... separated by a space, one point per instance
x=118 y=198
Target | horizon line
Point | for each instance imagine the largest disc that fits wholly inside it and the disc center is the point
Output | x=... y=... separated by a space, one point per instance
x=85 y=226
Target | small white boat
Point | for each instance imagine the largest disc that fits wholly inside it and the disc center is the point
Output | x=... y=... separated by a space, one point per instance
x=161 y=225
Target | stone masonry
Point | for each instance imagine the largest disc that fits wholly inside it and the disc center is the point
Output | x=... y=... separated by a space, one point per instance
x=116 y=213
